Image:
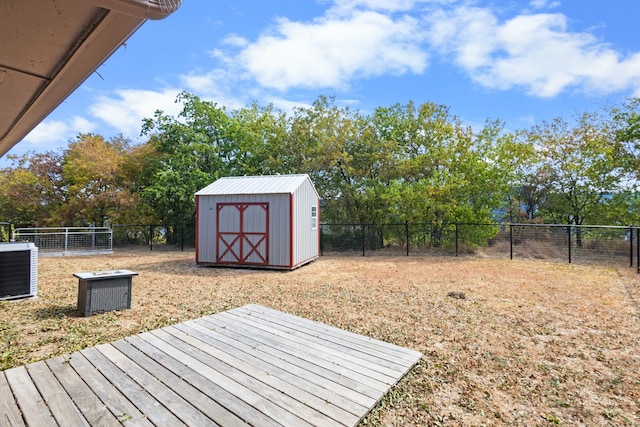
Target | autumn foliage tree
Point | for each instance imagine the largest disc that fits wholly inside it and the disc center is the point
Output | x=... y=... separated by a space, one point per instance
x=31 y=189
x=91 y=170
x=85 y=184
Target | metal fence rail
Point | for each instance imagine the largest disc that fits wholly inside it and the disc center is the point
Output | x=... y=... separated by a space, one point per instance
x=67 y=240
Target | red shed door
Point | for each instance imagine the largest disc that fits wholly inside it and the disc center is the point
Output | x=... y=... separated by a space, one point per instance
x=242 y=235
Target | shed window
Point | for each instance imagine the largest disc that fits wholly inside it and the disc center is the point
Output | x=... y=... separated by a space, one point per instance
x=314 y=217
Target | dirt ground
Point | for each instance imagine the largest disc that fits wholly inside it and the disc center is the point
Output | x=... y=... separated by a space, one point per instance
x=505 y=343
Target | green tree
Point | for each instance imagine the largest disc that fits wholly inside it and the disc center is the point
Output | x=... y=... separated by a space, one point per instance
x=194 y=150
x=448 y=173
x=627 y=119
x=583 y=165
x=348 y=159
x=531 y=193
x=256 y=135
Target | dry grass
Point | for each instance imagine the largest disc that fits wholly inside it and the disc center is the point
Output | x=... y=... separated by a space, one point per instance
x=504 y=342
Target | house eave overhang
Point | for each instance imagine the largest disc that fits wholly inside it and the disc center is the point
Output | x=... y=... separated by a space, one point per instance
x=51 y=46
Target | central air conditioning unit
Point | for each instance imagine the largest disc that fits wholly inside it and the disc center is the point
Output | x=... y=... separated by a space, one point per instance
x=18 y=270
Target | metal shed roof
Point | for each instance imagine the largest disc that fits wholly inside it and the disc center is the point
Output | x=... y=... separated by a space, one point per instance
x=49 y=47
x=267 y=184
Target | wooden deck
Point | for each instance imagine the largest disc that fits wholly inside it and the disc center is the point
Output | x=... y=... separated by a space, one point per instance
x=251 y=365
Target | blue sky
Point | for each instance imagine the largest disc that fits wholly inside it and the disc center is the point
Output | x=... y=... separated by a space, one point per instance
x=518 y=61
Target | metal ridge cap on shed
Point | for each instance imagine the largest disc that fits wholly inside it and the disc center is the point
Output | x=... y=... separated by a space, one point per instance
x=265 y=184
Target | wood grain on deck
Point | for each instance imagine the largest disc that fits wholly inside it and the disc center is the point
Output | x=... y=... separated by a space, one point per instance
x=250 y=365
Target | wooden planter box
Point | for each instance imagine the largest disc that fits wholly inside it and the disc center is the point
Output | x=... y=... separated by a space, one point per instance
x=101 y=291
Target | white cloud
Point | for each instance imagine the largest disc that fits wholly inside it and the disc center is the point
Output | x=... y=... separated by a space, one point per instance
x=235 y=40
x=544 y=4
x=535 y=52
x=216 y=85
x=51 y=133
x=48 y=132
x=82 y=125
x=468 y=34
x=330 y=52
x=523 y=50
x=343 y=7
x=125 y=111
x=286 y=105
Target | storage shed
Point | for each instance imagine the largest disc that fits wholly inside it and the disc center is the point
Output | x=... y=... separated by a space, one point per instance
x=258 y=221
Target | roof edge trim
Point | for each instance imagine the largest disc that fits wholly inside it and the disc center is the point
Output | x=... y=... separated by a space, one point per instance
x=146 y=9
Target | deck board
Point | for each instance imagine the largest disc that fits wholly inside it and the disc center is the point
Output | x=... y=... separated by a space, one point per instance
x=344 y=382
x=305 y=404
x=83 y=397
x=125 y=411
x=313 y=383
x=352 y=347
x=309 y=349
x=9 y=410
x=200 y=381
x=56 y=398
x=209 y=407
x=250 y=365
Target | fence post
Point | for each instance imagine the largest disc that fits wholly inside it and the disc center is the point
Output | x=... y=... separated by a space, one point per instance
x=321 y=240
x=364 y=242
x=182 y=238
x=638 y=249
x=406 y=230
x=456 y=238
x=151 y=238
x=66 y=238
x=630 y=247
x=569 y=234
x=510 y=241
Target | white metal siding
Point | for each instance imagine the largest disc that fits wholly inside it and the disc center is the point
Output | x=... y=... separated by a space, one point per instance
x=206 y=228
x=277 y=191
x=306 y=238
x=278 y=228
x=280 y=231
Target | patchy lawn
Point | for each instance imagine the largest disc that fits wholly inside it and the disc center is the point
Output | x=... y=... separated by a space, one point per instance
x=504 y=342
